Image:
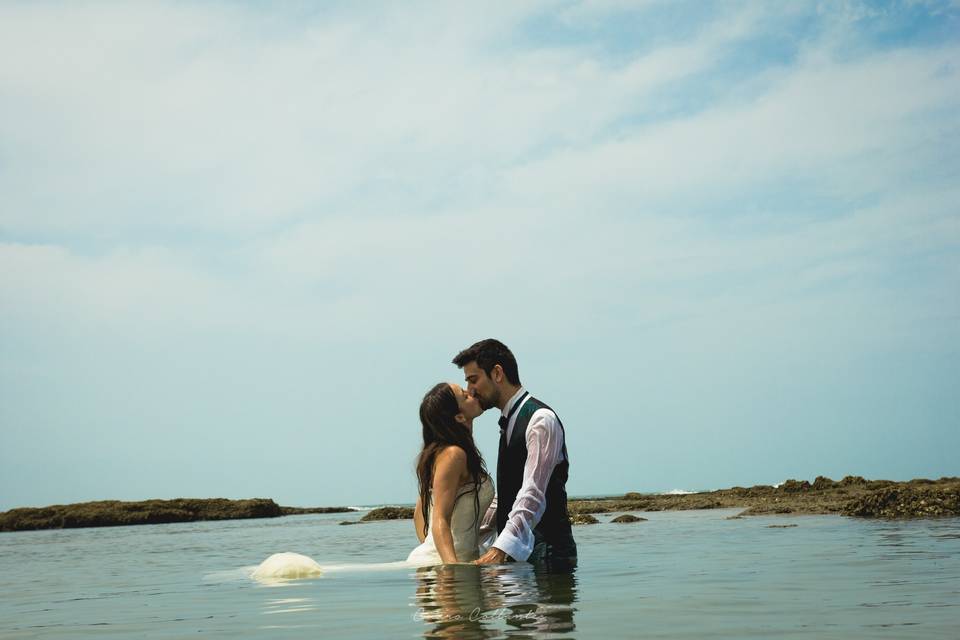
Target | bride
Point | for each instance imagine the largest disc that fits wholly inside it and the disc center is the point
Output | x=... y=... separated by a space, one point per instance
x=455 y=489
x=456 y=492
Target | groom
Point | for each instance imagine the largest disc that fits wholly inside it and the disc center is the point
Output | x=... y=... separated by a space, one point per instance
x=532 y=464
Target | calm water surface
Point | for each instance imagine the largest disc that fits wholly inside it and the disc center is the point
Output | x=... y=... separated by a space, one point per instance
x=680 y=575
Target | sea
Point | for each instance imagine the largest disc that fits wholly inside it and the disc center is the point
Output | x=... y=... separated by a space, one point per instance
x=678 y=574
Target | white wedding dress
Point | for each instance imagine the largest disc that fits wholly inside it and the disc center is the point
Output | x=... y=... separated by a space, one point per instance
x=465 y=527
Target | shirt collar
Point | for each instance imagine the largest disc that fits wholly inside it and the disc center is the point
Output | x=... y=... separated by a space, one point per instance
x=512 y=401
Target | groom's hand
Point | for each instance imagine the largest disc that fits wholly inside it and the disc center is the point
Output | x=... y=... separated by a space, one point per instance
x=493 y=556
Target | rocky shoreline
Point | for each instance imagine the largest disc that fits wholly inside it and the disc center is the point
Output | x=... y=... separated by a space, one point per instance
x=852 y=496
x=115 y=513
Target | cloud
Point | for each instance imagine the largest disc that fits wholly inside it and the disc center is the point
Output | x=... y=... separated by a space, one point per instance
x=178 y=117
x=224 y=199
x=850 y=128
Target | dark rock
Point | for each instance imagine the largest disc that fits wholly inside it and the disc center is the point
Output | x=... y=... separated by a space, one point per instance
x=780 y=526
x=822 y=482
x=755 y=491
x=109 y=513
x=906 y=501
x=764 y=509
x=388 y=513
x=702 y=502
x=343 y=522
x=583 y=518
x=296 y=511
x=633 y=496
x=596 y=508
x=625 y=518
x=795 y=496
x=793 y=486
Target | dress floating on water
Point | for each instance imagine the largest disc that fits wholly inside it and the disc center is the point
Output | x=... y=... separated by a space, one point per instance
x=465 y=528
x=287 y=565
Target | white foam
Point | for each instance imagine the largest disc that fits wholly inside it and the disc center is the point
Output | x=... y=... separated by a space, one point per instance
x=677 y=492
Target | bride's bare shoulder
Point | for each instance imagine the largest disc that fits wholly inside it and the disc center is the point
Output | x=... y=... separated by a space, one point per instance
x=452 y=454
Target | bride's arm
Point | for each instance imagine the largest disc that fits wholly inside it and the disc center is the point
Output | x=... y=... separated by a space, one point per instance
x=418 y=520
x=450 y=467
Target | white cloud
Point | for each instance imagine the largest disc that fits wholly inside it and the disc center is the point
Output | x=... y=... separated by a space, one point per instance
x=850 y=127
x=191 y=118
x=217 y=182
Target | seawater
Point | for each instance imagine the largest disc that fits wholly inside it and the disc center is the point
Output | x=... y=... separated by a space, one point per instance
x=691 y=574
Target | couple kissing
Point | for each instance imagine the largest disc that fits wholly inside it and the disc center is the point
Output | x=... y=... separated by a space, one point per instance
x=459 y=517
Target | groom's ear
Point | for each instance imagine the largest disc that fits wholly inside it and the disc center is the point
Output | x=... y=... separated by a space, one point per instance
x=497 y=373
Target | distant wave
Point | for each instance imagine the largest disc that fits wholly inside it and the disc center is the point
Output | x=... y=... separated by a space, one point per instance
x=371 y=507
x=677 y=492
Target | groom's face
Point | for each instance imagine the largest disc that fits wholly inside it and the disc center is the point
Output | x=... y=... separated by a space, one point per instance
x=480 y=386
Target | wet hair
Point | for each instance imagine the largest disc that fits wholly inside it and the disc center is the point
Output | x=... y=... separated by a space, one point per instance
x=487 y=354
x=438 y=412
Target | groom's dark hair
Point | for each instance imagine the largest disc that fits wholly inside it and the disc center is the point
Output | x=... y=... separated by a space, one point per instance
x=487 y=354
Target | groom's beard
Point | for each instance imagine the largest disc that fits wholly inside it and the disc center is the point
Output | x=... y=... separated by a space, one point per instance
x=487 y=403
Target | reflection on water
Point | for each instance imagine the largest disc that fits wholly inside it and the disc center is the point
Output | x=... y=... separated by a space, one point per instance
x=468 y=601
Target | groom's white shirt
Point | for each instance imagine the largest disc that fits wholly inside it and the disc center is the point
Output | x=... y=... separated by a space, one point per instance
x=544 y=439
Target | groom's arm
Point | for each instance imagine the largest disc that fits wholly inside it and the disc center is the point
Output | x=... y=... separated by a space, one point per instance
x=544 y=439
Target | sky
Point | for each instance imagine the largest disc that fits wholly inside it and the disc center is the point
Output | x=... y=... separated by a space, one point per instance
x=239 y=241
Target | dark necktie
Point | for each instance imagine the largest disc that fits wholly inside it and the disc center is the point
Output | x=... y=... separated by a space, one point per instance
x=503 y=422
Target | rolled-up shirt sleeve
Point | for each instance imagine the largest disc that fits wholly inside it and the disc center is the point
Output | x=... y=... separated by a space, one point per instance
x=544 y=439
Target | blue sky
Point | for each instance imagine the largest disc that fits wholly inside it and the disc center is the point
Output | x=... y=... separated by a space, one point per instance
x=238 y=242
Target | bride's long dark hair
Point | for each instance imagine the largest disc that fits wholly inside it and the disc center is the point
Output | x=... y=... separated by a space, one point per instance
x=438 y=412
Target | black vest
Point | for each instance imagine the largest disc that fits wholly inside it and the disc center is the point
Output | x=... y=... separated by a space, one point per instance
x=554 y=526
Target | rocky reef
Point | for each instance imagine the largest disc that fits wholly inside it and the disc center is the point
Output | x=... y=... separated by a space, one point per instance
x=851 y=496
x=910 y=501
x=299 y=511
x=627 y=518
x=110 y=513
x=582 y=518
x=388 y=513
